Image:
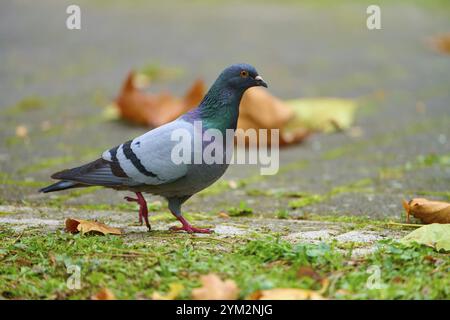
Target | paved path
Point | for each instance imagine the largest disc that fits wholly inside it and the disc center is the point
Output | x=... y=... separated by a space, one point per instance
x=56 y=83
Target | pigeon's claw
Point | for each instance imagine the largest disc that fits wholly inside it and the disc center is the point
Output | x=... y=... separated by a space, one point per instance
x=143 y=210
x=130 y=199
x=186 y=226
x=191 y=229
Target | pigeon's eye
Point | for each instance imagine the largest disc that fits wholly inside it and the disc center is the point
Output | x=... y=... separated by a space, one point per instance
x=244 y=74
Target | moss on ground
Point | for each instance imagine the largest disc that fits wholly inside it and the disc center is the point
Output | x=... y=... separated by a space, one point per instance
x=25 y=105
x=363 y=185
x=34 y=265
x=46 y=164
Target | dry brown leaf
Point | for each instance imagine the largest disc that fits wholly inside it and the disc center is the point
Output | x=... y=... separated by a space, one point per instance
x=52 y=259
x=213 y=288
x=104 y=294
x=308 y=272
x=286 y=294
x=428 y=211
x=155 y=109
x=174 y=291
x=264 y=109
x=261 y=110
x=85 y=226
x=441 y=43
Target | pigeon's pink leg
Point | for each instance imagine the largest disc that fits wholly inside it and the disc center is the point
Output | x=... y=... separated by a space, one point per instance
x=187 y=226
x=143 y=210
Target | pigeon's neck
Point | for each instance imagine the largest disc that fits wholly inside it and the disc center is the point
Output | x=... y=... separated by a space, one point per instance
x=219 y=109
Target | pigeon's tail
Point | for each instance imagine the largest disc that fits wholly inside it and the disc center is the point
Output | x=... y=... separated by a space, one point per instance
x=61 y=185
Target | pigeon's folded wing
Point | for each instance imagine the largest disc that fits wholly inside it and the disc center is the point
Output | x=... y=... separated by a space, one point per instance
x=148 y=159
x=97 y=173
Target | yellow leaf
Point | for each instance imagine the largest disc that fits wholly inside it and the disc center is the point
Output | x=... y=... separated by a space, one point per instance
x=85 y=226
x=434 y=235
x=154 y=110
x=223 y=215
x=286 y=294
x=213 y=288
x=174 y=291
x=324 y=114
x=293 y=293
x=22 y=131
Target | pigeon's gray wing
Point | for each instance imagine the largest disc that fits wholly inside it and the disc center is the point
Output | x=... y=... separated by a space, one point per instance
x=148 y=159
x=97 y=173
x=145 y=160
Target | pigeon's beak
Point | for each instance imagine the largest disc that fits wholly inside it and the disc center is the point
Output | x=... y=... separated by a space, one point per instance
x=260 y=81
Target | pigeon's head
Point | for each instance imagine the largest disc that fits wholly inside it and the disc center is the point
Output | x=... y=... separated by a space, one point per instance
x=241 y=77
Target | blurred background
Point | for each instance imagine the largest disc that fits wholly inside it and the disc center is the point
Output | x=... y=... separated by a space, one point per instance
x=56 y=85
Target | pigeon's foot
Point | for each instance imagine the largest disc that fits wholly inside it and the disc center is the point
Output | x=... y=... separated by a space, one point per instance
x=143 y=210
x=188 y=227
x=191 y=229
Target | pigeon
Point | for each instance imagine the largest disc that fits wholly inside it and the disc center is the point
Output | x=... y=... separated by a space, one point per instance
x=145 y=164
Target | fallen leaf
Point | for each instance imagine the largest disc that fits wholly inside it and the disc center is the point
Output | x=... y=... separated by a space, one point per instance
x=52 y=259
x=104 y=294
x=154 y=110
x=261 y=110
x=233 y=184
x=433 y=235
x=213 y=288
x=428 y=211
x=397 y=279
x=441 y=43
x=223 y=215
x=174 y=291
x=430 y=259
x=286 y=294
x=22 y=131
x=324 y=114
x=305 y=271
x=85 y=226
x=291 y=293
x=265 y=109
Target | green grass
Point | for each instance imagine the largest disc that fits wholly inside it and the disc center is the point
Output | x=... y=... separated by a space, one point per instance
x=242 y=210
x=33 y=266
